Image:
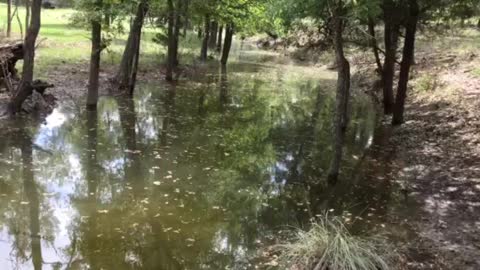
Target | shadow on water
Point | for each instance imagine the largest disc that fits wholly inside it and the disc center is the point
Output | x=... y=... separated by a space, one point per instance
x=200 y=174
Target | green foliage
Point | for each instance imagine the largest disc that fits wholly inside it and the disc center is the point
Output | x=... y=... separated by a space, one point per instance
x=329 y=244
x=426 y=83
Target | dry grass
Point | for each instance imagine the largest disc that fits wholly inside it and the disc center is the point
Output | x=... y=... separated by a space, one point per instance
x=329 y=245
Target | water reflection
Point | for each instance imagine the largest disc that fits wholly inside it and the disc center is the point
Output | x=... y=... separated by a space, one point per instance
x=194 y=175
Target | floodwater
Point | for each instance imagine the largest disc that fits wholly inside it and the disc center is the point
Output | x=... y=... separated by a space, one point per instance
x=202 y=174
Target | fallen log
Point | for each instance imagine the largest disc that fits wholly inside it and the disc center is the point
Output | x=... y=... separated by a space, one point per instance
x=10 y=54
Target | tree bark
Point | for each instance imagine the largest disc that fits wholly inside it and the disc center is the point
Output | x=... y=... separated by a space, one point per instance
x=92 y=96
x=176 y=32
x=206 y=36
x=220 y=38
x=27 y=13
x=126 y=76
x=9 y=18
x=388 y=74
x=186 y=21
x=342 y=96
x=373 y=42
x=24 y=89
x=227 y=44
x=212 y=43
x=171 y=42
x=408 y=49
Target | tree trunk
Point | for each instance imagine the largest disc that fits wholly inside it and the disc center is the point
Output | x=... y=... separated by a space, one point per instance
x=171 y=42
x=212 y=43
x=219 y=40
x=373 y=42
x=186 y=22
x=27 y=14
x=227 y=44
x=199 y=32
x=391 y=43
x=126 y=75
x=342 y=96
x=408 y=49
x=176 y=32
x=206 y=36
x=9 y=18
x=24 y=88
x=133 y=79
x=92 y=97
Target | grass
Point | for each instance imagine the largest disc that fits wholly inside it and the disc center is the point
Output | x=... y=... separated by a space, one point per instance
x=329 y=245
x=426 y=83
x=61 y=43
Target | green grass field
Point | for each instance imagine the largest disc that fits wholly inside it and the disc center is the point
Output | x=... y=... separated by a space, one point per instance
x=61 y=43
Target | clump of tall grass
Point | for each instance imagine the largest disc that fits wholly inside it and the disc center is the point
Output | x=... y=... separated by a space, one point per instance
x=329 y=246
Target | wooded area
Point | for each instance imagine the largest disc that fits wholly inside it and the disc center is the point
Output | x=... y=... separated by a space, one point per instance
x=391 y=51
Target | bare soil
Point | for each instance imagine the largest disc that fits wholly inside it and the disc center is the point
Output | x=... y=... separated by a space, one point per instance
x=439 y=148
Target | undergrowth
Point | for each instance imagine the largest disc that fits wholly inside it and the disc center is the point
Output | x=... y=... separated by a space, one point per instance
x=329 y=245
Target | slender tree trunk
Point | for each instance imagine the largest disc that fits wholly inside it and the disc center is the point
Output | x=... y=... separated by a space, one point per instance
x=171 y=42
x=391 y=43
x=133 y=79
x=408 y=50
x=24 y=88
x=373 y=42
x=9 y=18
x=220 y=39
x=342 y=96
x=27 y=13
x=212 y=43
x=176 y=32
x=92 y=96
x=204 y=52
x=227 y=44
x=186 y=21
x=199 y=32
x=19 y=21
x=126 y=75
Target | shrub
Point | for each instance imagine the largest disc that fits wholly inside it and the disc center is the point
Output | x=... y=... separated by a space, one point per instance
x=329 y=245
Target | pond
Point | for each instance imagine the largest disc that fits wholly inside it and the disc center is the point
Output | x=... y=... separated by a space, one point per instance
x=201 y=174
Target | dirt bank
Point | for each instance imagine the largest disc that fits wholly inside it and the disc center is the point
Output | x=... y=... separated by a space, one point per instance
x=439 y=148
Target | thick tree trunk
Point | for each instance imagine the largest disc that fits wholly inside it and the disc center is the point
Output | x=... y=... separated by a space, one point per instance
x=171 y=42
x=9 y=18
x=373 y=43
x=24 y=88
x=408 y=49
x=342 y=96
x=220 y=38
x=227 y=44
x=126 y=75
x=204 y=52
x=388 y=74
x=213 y=35
x=92 y=96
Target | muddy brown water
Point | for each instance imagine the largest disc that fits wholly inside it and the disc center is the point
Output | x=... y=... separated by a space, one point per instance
x=202 y=174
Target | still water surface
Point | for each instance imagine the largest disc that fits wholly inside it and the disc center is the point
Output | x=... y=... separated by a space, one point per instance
x=198 y=175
